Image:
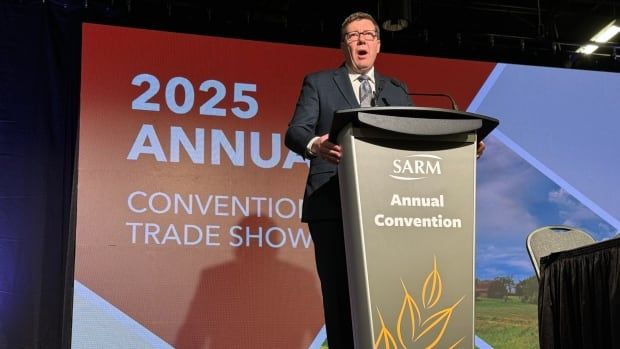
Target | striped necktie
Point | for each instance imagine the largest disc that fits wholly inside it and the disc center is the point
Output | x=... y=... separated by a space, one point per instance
x=365 y=91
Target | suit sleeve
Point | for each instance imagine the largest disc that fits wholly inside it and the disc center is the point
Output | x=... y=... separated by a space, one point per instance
x=301 y=128
x=406 y=99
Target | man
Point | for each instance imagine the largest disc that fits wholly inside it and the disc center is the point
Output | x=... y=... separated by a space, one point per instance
x=322 y=94
x=356 y=83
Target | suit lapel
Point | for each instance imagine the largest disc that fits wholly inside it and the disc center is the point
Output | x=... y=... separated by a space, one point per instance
x=341 y=78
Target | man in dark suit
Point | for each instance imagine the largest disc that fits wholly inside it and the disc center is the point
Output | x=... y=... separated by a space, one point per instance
x=356 y=83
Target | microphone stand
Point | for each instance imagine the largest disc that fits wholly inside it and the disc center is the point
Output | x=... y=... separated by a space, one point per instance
x=445 y=95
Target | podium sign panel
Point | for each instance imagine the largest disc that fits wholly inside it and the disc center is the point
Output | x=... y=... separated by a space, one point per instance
x=409 y=218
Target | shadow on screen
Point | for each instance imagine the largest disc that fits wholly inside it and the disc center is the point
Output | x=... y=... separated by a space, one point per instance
x=254 y=301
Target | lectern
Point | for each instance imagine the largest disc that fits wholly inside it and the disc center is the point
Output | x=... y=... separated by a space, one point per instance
x=407 y=185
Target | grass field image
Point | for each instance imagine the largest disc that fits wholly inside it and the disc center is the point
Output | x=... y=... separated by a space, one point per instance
x=507 y=323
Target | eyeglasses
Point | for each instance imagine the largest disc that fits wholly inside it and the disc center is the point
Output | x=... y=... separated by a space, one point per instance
x=368 y=35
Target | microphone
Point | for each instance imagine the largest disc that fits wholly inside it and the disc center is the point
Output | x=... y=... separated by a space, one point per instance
x=445 y=95
x=375 y=99
x=375 y=95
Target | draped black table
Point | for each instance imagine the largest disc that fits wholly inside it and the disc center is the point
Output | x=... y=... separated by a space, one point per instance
x=579 y=297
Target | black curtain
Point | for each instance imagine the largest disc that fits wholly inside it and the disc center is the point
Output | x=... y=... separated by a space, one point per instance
x=40 y=45
x=579 y=297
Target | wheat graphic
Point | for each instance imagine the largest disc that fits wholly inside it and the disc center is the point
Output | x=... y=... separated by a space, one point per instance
x=413 y=329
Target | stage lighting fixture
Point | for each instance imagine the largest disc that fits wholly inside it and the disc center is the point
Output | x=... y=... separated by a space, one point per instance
x=607 y=33
x=603 y=36
x=394 y=15
x=587 y=49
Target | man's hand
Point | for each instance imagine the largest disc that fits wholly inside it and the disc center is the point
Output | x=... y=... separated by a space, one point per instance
x=480 y=149
x=327 y=150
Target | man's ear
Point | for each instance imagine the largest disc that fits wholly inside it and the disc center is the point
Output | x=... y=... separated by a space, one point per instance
x=378 y=46
x=345 y=50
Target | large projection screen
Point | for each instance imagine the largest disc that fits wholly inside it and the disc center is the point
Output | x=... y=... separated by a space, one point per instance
x=188 y=209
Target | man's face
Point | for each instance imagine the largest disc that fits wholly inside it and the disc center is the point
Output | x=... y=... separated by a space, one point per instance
x=360 y=54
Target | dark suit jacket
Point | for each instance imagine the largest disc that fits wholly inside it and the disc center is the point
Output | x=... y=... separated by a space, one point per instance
x=321 y=95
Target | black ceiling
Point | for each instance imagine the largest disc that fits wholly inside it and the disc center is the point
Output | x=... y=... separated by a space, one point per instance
x=542 y=32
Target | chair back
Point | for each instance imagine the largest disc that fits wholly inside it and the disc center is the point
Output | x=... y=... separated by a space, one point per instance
x=555 y=238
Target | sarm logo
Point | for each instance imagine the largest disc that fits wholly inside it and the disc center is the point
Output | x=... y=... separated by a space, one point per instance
x=418 y=166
